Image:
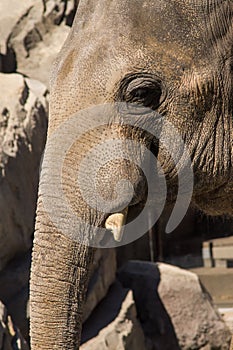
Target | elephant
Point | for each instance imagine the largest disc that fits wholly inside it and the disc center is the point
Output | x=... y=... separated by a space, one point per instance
x=159 y=59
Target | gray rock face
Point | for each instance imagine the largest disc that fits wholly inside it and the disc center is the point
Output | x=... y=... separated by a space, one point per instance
x=37 y=64
x=10 y=13
x=174 y=310
x=10 y=337
x=23 y=125
x=36 y=39
x=103 y=274
x=32 y=35
x=113 y=325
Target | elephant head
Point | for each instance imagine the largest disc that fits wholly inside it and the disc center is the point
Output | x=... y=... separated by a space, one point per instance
x=169 y=64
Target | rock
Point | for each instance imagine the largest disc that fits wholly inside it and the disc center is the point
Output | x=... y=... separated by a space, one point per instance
x=174 y=309
x=10 y=13
x=34 y=35
x=38 y=63
x=70 y=11
x=102 y=276
x=227 y=315
x=10 y=336
x=23 y=125
x=113 y=325
x=14 y=291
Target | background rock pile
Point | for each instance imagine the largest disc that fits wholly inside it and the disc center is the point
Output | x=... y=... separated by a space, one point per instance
x=147 y=306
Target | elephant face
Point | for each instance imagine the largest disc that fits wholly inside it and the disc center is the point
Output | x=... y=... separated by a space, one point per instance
x=174 y=58
x=169 y=64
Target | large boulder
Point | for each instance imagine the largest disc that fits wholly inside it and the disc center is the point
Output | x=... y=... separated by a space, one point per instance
x=10 y=336
x=114 y=324
x=38 y=63
x=174 y=309
x=36 y=39
x=23 y=125
x=10 y=13
x=32 y=35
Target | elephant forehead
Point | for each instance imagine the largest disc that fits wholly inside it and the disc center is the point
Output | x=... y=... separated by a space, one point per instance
x=111 y=38
x=108 y=30
x=177 y=21
x=138 y=20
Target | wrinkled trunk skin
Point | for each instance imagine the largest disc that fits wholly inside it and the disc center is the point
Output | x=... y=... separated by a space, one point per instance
x=59 y=278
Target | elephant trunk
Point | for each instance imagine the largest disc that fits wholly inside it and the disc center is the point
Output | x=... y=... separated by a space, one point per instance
x=59 y=277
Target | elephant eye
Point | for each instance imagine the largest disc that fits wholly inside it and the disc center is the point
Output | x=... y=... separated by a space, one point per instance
x=143 y=91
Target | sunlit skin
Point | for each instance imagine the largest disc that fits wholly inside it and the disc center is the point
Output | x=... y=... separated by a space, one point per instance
x=171 y=56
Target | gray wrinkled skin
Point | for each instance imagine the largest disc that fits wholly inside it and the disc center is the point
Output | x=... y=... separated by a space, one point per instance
x=188 y=47
x=173 y=56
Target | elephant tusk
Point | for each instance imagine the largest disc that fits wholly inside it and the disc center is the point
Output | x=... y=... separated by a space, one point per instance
x=115 y=223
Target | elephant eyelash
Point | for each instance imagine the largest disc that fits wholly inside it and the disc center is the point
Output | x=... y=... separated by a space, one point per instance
x=145 y=96
x=145 y=90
